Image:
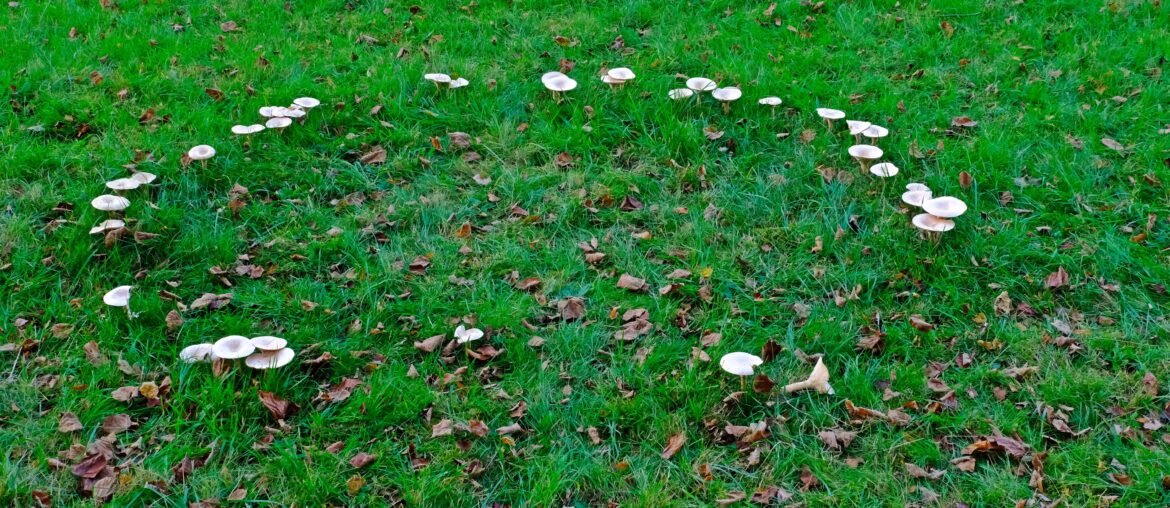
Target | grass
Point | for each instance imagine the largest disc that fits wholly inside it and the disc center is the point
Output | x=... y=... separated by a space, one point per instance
x=1046 y=82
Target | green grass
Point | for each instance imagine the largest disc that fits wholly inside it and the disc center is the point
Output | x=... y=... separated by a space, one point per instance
x=1033 y=75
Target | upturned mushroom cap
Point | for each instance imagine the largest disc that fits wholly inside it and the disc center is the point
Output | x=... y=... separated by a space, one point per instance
x=865 y=152
x=946 y=207
x=306 y=102
x=123 y=184
x=196 y=353
x=458 y=83
x=269 y=343
x=106 y=226
x=110 y=203
x=740 y=364
x=915 y=197
x=830 y=114
x=561 y=84
x=610 y=80
x=232 y=347
x=917 y=186
x=928 y=222
x=436 y=77
x=818 y=380
x=464 y=335
x=621 y=73
x=144 y=177
x=270 y=359
x=701 y=85
x=244 y=130
x=875 y=131
x=679 y=94
x=884 y=169
x=770 y=101
x=118 y=297
x=549 y=76
x=857 y=126
x=279 y=122
x=201 y=152
x=728 y=94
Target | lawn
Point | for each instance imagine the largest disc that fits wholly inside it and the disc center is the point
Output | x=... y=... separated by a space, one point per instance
x=613 y=244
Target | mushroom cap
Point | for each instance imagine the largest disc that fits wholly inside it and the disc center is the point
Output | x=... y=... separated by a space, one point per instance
x=883 y=169
x=928 y=222
x=269 y=343
x=610 y=80
x=770 y=101
x=278 y=122
x=201 y=152
x=875 y=131
x=548 y=76
x=269 y=111
x=107 y=225
x=458 y=83
x=143 y=177
x=621 y=73
x=292 y=112
x=244 y=130
x=679 y=94
x=820 y=377
x=196 y=353
x=728 y=94
x=437 y=77
x=464 y=335
x=123 y=184
x=306 y=102
x=701 y=84
x=830 y=114
x=232 y=347
x=857 y=126
x=917 y=186
x=270 y=359
x=561 y=84
x=867 y=152
x=946 y=207
x=118 y=297
x=110 y=203
x=740 y=364
x=916 y=197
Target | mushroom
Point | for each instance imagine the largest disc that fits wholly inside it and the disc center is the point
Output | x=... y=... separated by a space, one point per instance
x=107 y=226
x=829 y=115
x=196 y=353
x=875 y=132
x=560 y=84
x=771 y=102
x=549 y=76
x=932 y=224
x=916 y=197
x=306 y=102
x=865 y=155
x=278 y=122
x=917 y=186
x=438 y=79
x=270 y=359
x=244 y=130
x=269 y=343
x=679 y=94
x=119 y=297
x=818 y=380
x=201 y=153
x=701 y=85
x=232 y=347
x=884 y=169
x=945 y=207
x=611 y=81
x=123 y=184
x=622 y=74
x=110 y=203
x=856 y=127
x=740 y=364
x=269 y=111
x=292 y=112
x=458 y=83
x=727 y=96
x=465 y=335
x=143 y=177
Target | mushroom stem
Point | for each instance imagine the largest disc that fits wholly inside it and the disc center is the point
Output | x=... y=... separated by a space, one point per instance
x=865 y=163
x=829 y=124
x=220 y=367
x=741 y=384
x=773 y=112
x=727 y=108
x=857 y=139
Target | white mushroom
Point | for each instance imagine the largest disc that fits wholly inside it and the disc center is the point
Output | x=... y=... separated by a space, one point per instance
x=118 y=297
x=549 y=76
x=106 y=226
x=279 y=122
x=865 y=155
x=144 y=177
x=883 y=169
x=560 y=84
x=292 y=112
x=829 y=115
x=916 y=197
x=931 y=223
x=740 y=364
x=110 y=203
x=856 y=127
x=727 y=96
x=679 y=94
x=244 y=130
x=875 y=132
x=917 y=186
x=611 y=81
x=946 y=207
x=232 y=347
x=458 y=83
x=771 y=102
x=701 y=85
x=201 y=152
x=621 y=74
x=270 y=359
x=465 y=335
x=818 y=380
x=122 y=184
x=269 y=343
x=437 y=78
x=306 y=102
x=269 y=111
x=196 y=353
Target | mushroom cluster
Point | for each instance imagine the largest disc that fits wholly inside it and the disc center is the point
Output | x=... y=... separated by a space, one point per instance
x=278 y=117
x=558 y=83
x=445 y=80
x=261 y=353
x=618 y=76
x=939 y=211
x=696 y=86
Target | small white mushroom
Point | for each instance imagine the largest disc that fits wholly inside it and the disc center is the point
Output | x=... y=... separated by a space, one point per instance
x=269 y=343
x=701 y=85
x=865 y=155
x=560 y=84
x=771 y=102
x=875 y=132
x=269 y=111
x=818 y=380
x=611 y=81
x=621 y=74
x=549 y=76
x=740 y=364
x=916 y=197
x=946 y=207
x=110 y=203
x=244 y=130
x=829 y=115
x=118 y=297
x=196 y=353
x=727 y=96
x=464 y=335
x=270 y=359
x=438 y=79
x=201 y=152
x=931 y=223
x=883 y=169
x=123 y=184
x=292 y=112
x=279 y=122
x=306 y=102
x=917 y=186
x=232 y=347
x=679 y=94
x=107 y=226
x=144 y=177
x=856 y=127
x=458 y=83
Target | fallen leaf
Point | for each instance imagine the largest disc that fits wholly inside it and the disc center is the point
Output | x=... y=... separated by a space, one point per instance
x=673 y=445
